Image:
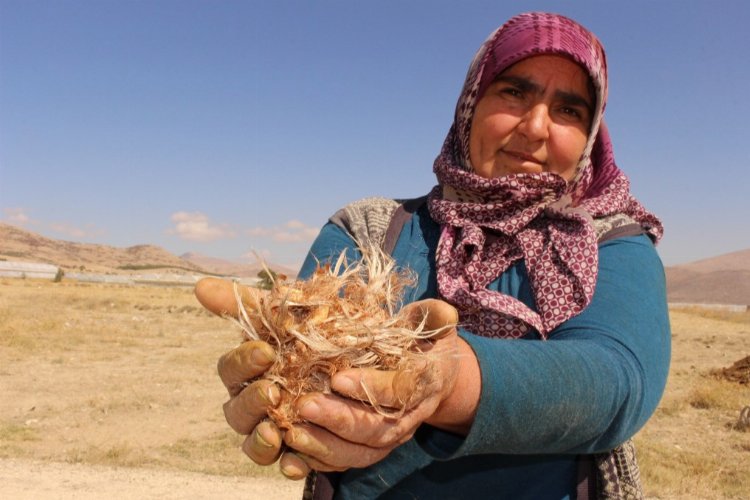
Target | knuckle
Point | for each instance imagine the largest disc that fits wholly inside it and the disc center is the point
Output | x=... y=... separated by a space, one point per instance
x=246 y=409
x=234 y=418
x=370 y=457
x=221 y=368
x=229 y=372
x=388 y=438
x=243 y=363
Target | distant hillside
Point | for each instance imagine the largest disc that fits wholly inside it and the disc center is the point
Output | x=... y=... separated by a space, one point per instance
x=718 y=280
x=20 y=244
x=230 y=268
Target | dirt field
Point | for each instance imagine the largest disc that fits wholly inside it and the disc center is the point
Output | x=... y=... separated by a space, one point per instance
x=110 y=391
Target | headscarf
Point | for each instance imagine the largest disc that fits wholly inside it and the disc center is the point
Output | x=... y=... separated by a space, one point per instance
x=552 y=224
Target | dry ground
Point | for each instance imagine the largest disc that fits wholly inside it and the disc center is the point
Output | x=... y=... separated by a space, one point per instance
x=104 y=375
x=694 y=447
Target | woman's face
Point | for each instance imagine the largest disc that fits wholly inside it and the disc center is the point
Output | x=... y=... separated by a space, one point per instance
x=535 y=117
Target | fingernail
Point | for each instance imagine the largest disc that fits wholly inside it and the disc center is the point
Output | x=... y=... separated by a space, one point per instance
x=269 y=394
x=263 y=356
x=309 y=410
x=292 y=471
x=259 y=440
x=273 y=396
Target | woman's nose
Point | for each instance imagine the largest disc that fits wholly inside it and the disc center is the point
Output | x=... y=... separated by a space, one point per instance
x=535 y=123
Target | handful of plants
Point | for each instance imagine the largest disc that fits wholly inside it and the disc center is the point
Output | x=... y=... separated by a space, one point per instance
x=346 y=315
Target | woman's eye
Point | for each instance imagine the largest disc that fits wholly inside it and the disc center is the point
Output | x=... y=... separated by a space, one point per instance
x=511 y=92
x=571 y=113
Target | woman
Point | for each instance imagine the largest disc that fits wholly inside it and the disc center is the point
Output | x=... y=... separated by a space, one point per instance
x=533 y=237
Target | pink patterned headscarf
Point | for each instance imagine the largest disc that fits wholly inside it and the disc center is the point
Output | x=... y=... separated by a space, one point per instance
x=553 y=224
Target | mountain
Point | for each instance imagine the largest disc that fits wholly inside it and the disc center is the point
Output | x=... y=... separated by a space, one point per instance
x=232 y=268
x=724 y=279
x=23 y=245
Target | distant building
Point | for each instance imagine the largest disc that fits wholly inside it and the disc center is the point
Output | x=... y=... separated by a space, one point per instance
x=14 y=269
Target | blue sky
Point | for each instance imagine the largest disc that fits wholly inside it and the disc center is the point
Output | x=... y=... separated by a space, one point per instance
x=226 y=127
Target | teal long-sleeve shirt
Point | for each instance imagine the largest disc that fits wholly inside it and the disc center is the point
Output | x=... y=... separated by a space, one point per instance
x=590 y=387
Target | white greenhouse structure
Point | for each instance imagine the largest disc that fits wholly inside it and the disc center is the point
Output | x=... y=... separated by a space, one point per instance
x=11 y=269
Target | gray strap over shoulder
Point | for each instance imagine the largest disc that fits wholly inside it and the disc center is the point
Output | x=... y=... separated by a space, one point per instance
x=367 y=220
x=616 y=226
x=377 y=220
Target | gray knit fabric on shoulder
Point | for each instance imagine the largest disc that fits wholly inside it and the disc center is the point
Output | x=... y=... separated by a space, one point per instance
x=366 y=220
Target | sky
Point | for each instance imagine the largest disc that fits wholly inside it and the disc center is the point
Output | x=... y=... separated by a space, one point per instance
x=236 y=128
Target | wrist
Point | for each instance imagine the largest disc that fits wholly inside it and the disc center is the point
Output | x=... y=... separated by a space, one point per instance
x=457 y=410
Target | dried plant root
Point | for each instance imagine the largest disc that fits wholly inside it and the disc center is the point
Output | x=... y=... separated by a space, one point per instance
x=343 y=316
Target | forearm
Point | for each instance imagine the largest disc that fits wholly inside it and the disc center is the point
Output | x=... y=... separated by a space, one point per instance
x=556 y=397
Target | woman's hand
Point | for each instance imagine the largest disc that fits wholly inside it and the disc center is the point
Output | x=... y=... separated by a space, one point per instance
x=342 y=431
x=249 y=401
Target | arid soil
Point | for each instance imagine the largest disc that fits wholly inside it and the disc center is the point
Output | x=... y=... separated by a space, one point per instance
x=20 y=479
x=111 y=391
x=117 y=376
x=694 y=446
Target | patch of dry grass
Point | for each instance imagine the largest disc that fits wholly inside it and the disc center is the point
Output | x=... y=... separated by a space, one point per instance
x=692 y=447
x=114 y=375
x=711 y=393
x=742 y=318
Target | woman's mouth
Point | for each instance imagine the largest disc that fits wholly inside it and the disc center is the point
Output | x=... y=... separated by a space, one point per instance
x=522 y=157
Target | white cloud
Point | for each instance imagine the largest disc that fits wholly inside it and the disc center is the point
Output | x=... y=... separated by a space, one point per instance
x=195 y=226
x=258 y=231
x=286 y=237
x=292 y=231
x=16 y=215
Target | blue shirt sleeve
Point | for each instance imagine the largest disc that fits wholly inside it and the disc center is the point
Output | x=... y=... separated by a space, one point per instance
x=591 y=386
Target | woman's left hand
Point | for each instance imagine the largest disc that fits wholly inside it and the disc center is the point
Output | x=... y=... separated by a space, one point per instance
x=342 y=431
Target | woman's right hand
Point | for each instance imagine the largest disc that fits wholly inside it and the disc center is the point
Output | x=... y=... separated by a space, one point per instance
x=250 y=397
x=240 y=370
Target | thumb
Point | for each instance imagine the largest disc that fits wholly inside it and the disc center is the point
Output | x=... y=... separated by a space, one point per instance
x=219 y=296
x=436 y=314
